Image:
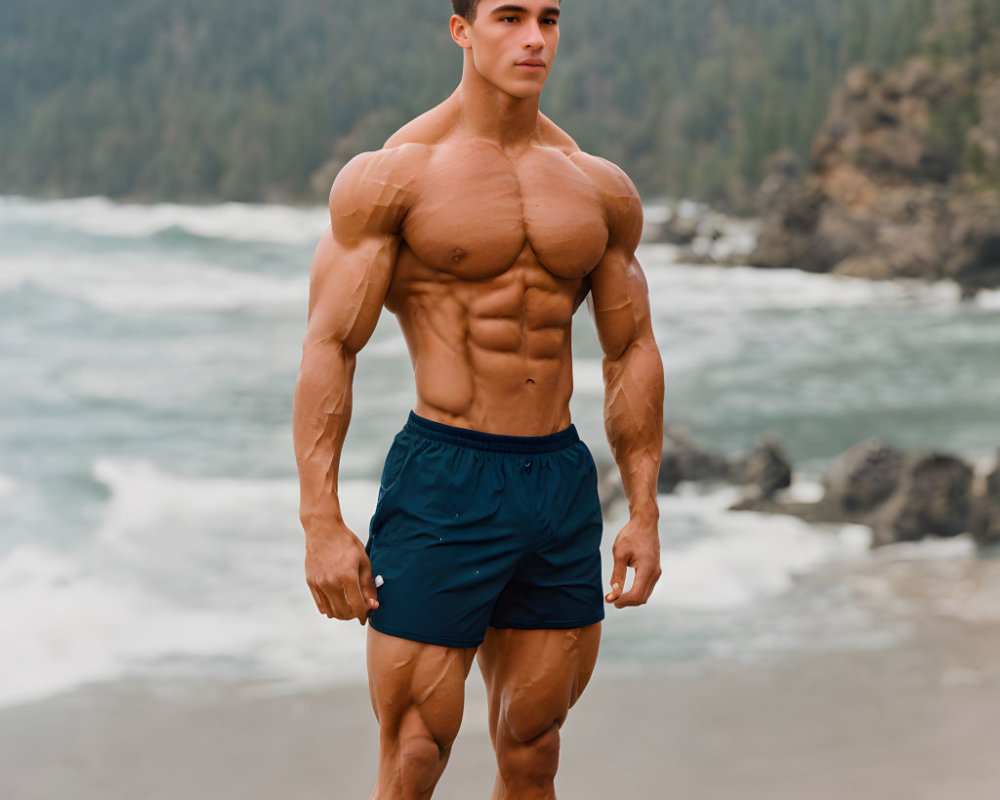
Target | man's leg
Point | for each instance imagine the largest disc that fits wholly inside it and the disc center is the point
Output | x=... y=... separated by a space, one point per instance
x=418 y=694
x=532 y=678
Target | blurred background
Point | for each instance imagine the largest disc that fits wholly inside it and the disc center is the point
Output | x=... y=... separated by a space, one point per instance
x=821 y=184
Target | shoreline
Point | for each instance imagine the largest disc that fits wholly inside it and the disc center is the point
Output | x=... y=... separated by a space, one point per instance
x=913 y=721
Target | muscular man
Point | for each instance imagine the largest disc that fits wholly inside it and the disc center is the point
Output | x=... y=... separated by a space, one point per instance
x=482 y=227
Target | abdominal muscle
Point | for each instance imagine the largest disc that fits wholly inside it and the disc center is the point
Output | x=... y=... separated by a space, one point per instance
x=493 y=354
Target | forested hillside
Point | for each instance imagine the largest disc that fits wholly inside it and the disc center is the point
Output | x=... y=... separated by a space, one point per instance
x=257 y=100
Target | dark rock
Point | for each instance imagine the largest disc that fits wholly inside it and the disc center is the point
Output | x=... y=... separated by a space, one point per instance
x=837 y=236
x=974 y=258
x=670 y=473
x=784 y=241
x=862 y=477
x=764 y=470
x=817 y=512
x=932 y=499
x=902 y=497
x=912 y=251
x=683 y=459
x=676 y=229
x=679 y=230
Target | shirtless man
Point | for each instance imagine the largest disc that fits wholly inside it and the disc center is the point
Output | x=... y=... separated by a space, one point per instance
x=482 y=227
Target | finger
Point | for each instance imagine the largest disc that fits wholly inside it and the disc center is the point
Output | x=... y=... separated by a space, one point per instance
x=321 y=603
x=341 y=608
x=357 y=603
x=617 y=579
x=641 y=588
x=368 y=588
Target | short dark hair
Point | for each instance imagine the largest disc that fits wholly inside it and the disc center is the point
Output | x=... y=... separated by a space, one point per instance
x=465 y=8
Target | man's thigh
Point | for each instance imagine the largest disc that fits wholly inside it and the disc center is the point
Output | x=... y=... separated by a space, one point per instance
x=533 y=677
x=417 y=689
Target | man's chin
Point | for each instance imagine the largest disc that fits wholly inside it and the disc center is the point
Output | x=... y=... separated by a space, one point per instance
x=525 y=91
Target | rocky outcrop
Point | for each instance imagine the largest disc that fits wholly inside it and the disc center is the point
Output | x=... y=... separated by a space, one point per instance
x=683 y=459
x=863 y=477
x=761 y=472
x=901 y=496
x=675 y=230
x=764 y=470
x=702 y=235
x=932 y=498
x=889 y=192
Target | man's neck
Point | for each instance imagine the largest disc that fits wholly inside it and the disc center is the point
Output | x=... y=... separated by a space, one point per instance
x=489 y=113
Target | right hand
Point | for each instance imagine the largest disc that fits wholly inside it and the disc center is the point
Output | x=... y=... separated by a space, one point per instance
x=339 y=575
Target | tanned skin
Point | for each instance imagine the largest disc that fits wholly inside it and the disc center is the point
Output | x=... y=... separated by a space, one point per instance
x=482 y=227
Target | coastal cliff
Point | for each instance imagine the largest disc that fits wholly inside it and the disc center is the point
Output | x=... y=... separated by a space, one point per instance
x=904 y=179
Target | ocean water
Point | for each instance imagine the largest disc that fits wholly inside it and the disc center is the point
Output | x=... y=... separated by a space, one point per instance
x=148 y=493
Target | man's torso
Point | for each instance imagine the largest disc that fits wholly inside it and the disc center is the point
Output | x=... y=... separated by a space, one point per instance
x=495 y=252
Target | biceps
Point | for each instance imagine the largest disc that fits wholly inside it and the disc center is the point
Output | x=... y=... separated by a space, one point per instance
x=619 y=303
x=347 y=287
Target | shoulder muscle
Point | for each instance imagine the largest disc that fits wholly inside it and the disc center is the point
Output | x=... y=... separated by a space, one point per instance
x=371 y=193
x=622 y=202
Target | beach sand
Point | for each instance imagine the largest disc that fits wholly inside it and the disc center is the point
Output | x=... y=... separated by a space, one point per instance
x=916 y=721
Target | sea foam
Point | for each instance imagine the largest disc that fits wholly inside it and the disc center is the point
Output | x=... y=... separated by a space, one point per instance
x=132 y=283
x=100 y=216
x=185 y=575
x=740 y=557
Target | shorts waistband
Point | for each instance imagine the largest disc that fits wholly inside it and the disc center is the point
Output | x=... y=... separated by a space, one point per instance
x=498 y=442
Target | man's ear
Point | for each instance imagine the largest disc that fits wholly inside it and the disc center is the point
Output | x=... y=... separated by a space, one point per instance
x=460 y=31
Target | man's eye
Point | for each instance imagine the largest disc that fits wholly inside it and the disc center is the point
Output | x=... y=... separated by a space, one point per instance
x=512 y=19
x=549 y=21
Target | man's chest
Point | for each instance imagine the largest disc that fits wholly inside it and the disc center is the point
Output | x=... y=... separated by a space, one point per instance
x=475 y=212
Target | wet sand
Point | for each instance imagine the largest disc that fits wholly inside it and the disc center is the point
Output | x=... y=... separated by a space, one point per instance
x=915 y=722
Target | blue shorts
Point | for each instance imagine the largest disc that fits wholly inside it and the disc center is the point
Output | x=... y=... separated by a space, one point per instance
x=478 y=529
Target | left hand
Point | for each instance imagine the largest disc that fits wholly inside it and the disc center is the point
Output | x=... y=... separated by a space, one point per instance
x=638 y=546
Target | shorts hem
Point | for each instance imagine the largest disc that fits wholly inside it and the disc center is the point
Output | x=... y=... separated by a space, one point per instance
x=424 y=638
x=551 y=623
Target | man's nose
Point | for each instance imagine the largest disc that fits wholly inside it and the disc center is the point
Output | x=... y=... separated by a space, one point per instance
x=533 y=38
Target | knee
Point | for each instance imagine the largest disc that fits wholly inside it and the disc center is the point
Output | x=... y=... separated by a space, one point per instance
x=417 y=750
x=420 y=762
x=526 y=757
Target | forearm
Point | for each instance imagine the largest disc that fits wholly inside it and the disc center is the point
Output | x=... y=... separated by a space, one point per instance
x=633 y=419
x=321 y=413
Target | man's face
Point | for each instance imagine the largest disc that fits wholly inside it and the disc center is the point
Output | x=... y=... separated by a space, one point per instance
x=513 y=43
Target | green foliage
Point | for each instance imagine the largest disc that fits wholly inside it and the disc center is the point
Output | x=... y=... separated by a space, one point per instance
x=257 y=100
x=952 y=118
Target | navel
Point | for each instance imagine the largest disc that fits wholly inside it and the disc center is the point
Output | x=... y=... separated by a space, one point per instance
x=457 y=255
